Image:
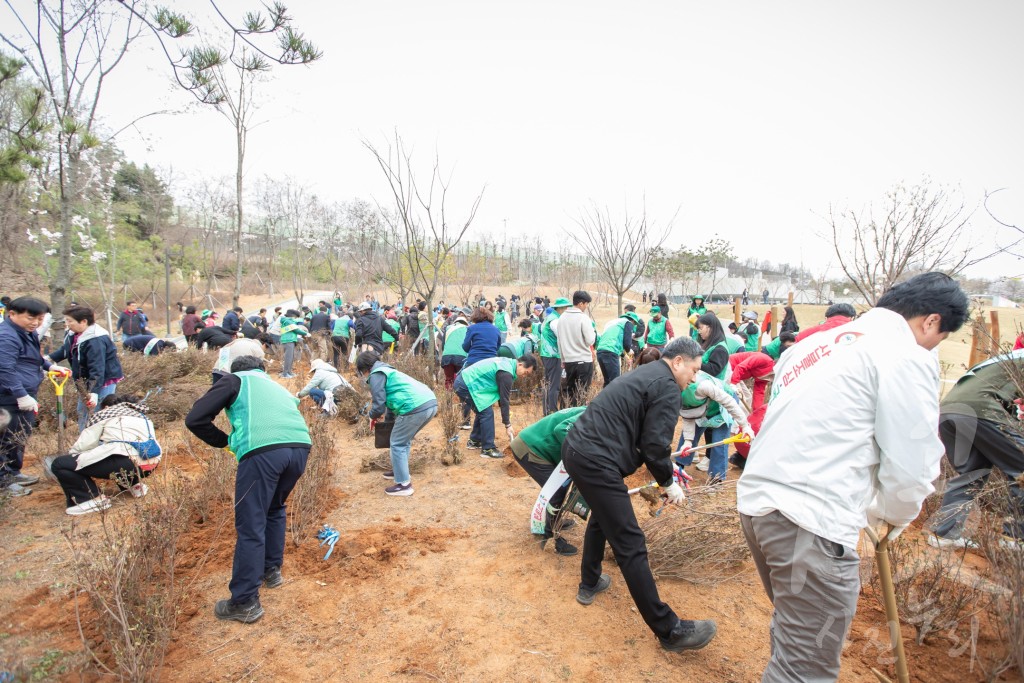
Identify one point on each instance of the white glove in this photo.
(748, 430)
(511, 433)
(92, 400)
(27, 404)
(674, 494)
(896, 531)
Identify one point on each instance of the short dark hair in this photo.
(580, 297)
(648, 355)
(128, 303)
(365, 361)
(237, 309)
(682, 346)
(243, 363)
(421, 305)
(525, 323)
(28, 304)
(630, 307)
(190, 309)
(926, 294)
(80, 313)
(480, 315)
(787, 337)
(291, 313)
(529, 361)
(840, 309)
(116, 399)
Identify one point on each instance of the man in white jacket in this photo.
(850, 438)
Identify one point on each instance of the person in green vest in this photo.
(538, 450)
(292, 330)
(777, 346)
(501, 321)
(750, 331)
(639, 330)
(537, 319)
(452, 353)
(409, 403)
(390, 330)
(715, 360)
(709, 406)
(550, 357)
(523, 345)
(659, 329)
(697, 308)
(270, 440)
(338, 303)
(341, 337)
(615, 342)
(481, 385)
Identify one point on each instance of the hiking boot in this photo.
(491, 453)
(15, 490)
(399, 490)
(273, 578)
(585, 596)
(470, 443)
(94, 505)
(689, 635)
(24, 479)
(138, 490)
(563, 547)
(390, 474)
(936, 541)
(247, 614)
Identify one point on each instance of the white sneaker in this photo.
(94, 505)
(704, 464)
(139, 490)
(937, 541)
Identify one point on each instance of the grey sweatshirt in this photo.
(576, 335)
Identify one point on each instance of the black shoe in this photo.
(737, 460)
(247, 614)
(564, 548)
(273, 578)
(470, 443)
(585, 596)
(689, 635)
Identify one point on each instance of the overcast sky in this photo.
(750, 118)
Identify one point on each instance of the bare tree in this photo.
(919, 228)
(419, 224)
(621, 250)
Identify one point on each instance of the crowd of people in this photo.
(850, 432)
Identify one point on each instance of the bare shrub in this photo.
(934, 591)
(170, 382)
(417, 367)
(309, 500)
(125, 567)
(215, 483)
(701, 543)
(449, 410)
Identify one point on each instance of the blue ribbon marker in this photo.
(330, 536)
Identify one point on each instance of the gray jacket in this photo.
(576, 335)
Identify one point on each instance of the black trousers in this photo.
(13, 439)
(79, 486)
(340, 350)
(576, 387)
(540, 472)
(611, 365)
(612, 519)
(552, 383)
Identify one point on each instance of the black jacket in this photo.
(320, 322)
(631, 423)
(215, 337)
(368, 330)
(93, 360)
(231, 322)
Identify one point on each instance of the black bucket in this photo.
(382, 434)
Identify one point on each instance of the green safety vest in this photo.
(774, 348)
(544, 438)
(453, 339)
(548, 340)
(263, 414)
(733, 345)
(521, 346)
(707, 356)
(482, 382)
(341, 328)
(751, 344)
(611, 338)
(404, 394)
(691, 400)
(500, 322)
(656, 335)
(387, 333)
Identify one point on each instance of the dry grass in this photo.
(701, 543)
(172, 381)
(449, 410)
(311, 497)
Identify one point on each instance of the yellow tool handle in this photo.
(58, 387)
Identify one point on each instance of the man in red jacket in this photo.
(760, 367)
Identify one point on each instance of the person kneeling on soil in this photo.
(538, 450)
(270, 440)
(119, 444)
(325, 381)
(410, 404)
(630, 423)
(480, 386)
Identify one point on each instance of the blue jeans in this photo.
(83, 414)
(318, 396)
(611, 365)
(262, 485)
(483, 423)
(405, 429)
(719, 455)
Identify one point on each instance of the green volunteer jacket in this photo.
(544, 438)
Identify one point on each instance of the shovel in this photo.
(892, 615)
(58, 380)
(735, 438)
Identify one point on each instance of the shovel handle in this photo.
(892, 614)
(58, 386)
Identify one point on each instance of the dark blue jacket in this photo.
(21, 363)
(131, 323)
(139, 343)
(482, 341)
(231, 323)
(94, 358)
